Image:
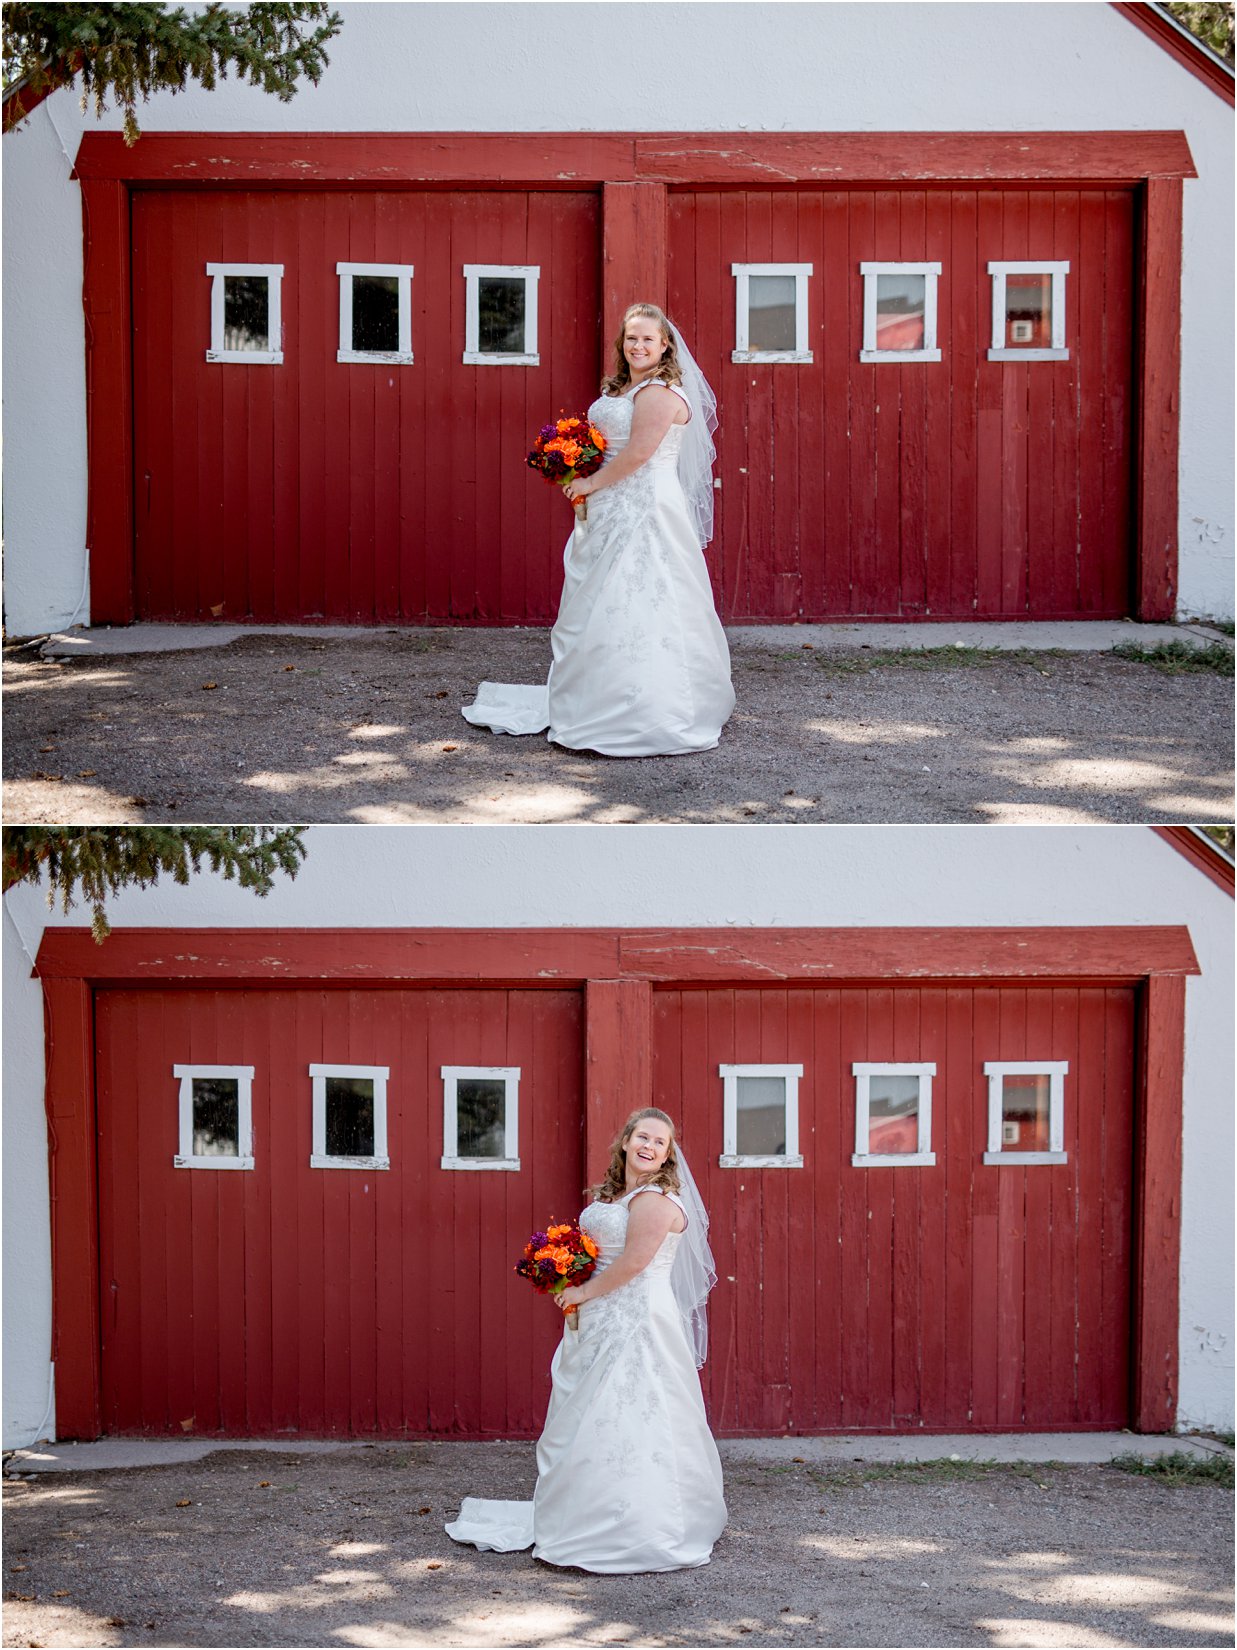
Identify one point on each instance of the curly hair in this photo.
(668, 371)
(614, 1183)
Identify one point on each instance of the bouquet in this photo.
(568, 448)
(557, 1259)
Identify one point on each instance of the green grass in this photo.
(1226, 625)
(862, 660)
(1179, 1468)
(1179, 658)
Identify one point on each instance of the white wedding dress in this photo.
(640, 662)
(628, 1475)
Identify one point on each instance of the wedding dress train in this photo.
(640, 664)
(628, 1475)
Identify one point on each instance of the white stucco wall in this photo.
(787, 876)
(515, 67)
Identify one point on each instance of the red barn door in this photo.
(954, 1296)
(291, 1299)
(964, 488)
(318, 489)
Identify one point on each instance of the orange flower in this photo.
(571, 451)
(556, 1232)
(589, 1244)
(596, 437)
(566, 425)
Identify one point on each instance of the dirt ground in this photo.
(367, 728)
(347, 1548)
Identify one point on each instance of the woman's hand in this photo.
(574, 1296)
(580, 487)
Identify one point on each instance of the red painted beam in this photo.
(1202, 854)
(1179, 44)
(618, 1060)
(1159, 409)
(576, 159)
(633, 255)
(557, 956)
(1157, 1177)
(109, 400)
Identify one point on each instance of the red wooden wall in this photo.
(956, 1296)
(291, 1299)
(962, 488)
(317, 489)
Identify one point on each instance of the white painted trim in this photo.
(274, 315)
(319, 1157)
(185, 1158)
(509, 1076)
(473, 354)
(871, 273)
(742, 353)
(996, 1071)
(401, 357)
(863, 1071)
(731, 1157)
(999, 350)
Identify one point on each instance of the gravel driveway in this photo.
(367, 728)
(347, 1548)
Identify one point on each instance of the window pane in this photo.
(349, 1116)
(771, 312)
(500, 300)
(245, 312)
(216, 1117)
(1028, 311)
(900, 301)
(1025, 1111)
(893, 1115)
(480, 1110)
(761, 1116)
(375, 312)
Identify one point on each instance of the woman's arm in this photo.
(651, 416)
(649, 1220)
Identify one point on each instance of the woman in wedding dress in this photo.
(640, 665)
(628, 1475)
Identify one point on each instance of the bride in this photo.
(628, 1475)
(640, 665)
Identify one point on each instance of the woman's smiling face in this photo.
(647, 1148)
(643, 344)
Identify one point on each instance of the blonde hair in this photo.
(668, 371)
(614, 1183)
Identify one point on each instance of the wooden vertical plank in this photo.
(203, 1291)
(1088, 330)
(321, 385)
(317, 1362)
(1157, 1172)
(890, 451)
(853, 1327)
(634, 254)
(106, 301)
(761, 450)
(1115, 1223)
(119, 1254)
(1116, 581)
(810, 1233)
(836, 283)
(911, 383)
(1011, 1237)
(283, 1156)
(775, 1409)
(449, 246)
(749, 1236)
(362, 412)
(708, 274)
(1040, 1236)
(734, 394)
(1159, 397)
(1041, 597)
(880, 1190)
(1015, 389)
(1063, 1258)
(931, 1227)
(366, 1016)
(411, 473)
(340, 389)
(1067, 568)
(1088, 1091)
(965, 1099)
(790, 390)
(938, 376)
(827, 1168)
(985, 1226)
(968, 292)
(708, 1041)
(990, 383)
(174, 521)
(172, 1048)
(224, 1302)
(906, 1316)
(864, 554)
(618, 1059)
(418, 1177)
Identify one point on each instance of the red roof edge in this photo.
(1202, 853)
(20, 99)
(1178, 42)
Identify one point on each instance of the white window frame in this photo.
(731, 1157)
(508, 1075)
(184, 1158)
(863, 1071)
(401, 357)
(999, 350)
(996, 1071)
(742, 353)
(274, 315)
(474, 356)
(319, 1157)
(871, 274)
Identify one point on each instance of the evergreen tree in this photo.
(103, 859)
(138, 47)
(1210, 20)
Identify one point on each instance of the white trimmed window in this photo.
(500, 315)
(770, 314)
(760, 1117)
(216, 1117)
(899, 312)
(246, 324)
(1028, 311)
(893, 1115)
(375, 313)
(350, 1117)
(480, 1117)
(1026, 1111)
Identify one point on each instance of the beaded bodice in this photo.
(612, 416)
(606, 1224)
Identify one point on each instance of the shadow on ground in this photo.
(347, 1549)
(367, 728)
